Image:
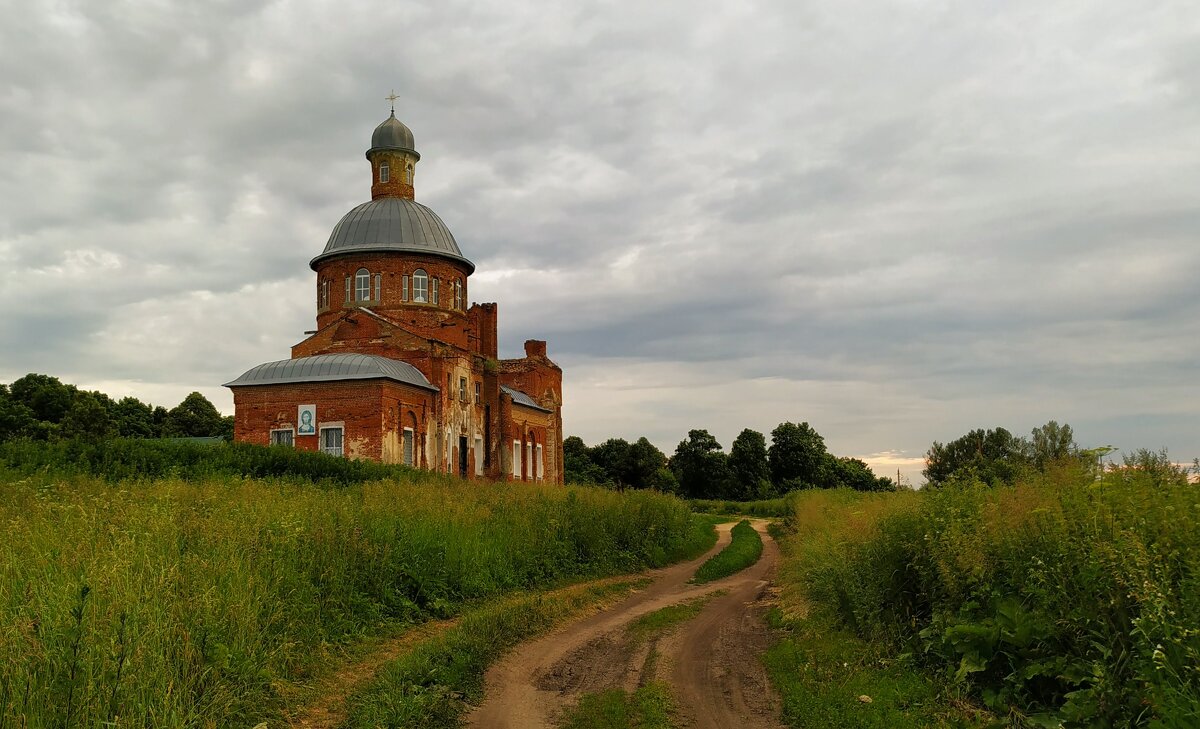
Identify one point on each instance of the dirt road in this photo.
(711, 662)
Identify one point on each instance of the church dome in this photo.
(392, 134)
(392, 225)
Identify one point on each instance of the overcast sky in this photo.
(896, 221)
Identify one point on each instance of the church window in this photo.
(462, 389)
(420, 286)
(435, 292)
(476, 392)
(458, 294)
(282, 437)
(324, 294)
(385, 172)
(541, 463)
(404, 287)
(379, 287)
(408, 446)
(348, 299)
(408, 173)
(331, 441)
(516, 459)
(362, 285)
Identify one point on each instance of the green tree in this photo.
(45, 396)
(700, 466)
(135, 419)
(16, 419)
(194, 417)
(992, 456)
(612, 456)
(748, 467)
(644, 464)
(664, 480)
(1051, 442)
(797, 456)
(577, 463)
(852, 473)
(88, 418)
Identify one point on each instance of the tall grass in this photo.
(178, 602)
(1058, 599)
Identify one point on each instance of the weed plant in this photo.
(1061, 600)
(765, 508)
(185, 601)
(743, 550)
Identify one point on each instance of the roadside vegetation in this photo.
(197, 600)
(1068, 596)
(778, 508)
(743, 550)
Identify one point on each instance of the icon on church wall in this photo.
(308, 420)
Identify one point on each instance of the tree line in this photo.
(42, 407)
(995, 456)
(700, 469)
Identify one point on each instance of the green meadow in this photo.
(196, 595)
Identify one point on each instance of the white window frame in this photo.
(478, 455)
(341, 450)
(325, 294)
(408, 455)
(540, 463)
(291, 442)
(529, 459)
(458, 294)
(378, 288)
(478, 388)
(404, 287)
(420, 288)
(516, 464)
(434, 291)
(385, 172)
(362, 285)
(409, 173)
(348, 292)
(462, 389)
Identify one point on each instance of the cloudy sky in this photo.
(894, 220)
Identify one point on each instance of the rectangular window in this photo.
(385, 172)
(348, 299)
(478, 456)
(434, 283)
(529, 460)
(462, 389)
(408, 446)
(362, 288)
(283, 437)
(541, 463)
(516, 459)
(324, 294)
(379, 287)
(331, 441)
(476, 392)
(457, 295)
(404, 287)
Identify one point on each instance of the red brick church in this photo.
(400, 368)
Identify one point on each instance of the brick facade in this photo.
(468, 425)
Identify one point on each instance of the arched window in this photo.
(385, 172)
(362, 285)
(420, 286)
(458, 294)
(408, 172)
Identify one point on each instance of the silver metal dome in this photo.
(332, 368)
(392, 134)
(392, 225)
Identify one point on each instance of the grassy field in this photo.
(765, 508)
(189, 601)
(1061, 600)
